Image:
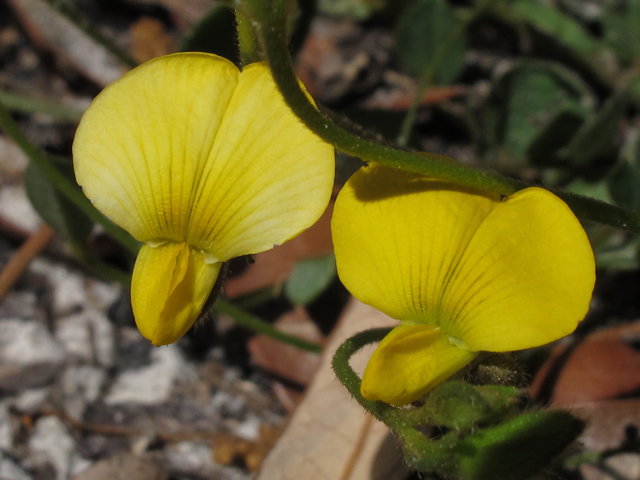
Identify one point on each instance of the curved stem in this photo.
(260, 326)
(271, 34)
(349, 378)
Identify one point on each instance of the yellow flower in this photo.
(463, 270)
(202, 163)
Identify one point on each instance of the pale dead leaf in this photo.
(329, 436)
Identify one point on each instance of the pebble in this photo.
(68, 290)
(9, 470)
(6, 428)
(190, 458)
(19, 305)
(32, 399)
(13, 161)
(16, 209)
(29, 356)
(153, 384)
(102, 295)
(52, 444)
(87, 337)
(81, 386)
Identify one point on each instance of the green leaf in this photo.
(518, 448)
(214, 33)
(310, 278)
(623, 257)
(624, 180)
(535, 109)
(595, 139)
(597, 190)
(461, 406)
(357, 9)
(422, 27)
(55, 209)
(621, 25)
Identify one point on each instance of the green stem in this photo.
(271, 34)
(247, 43)
(257, 325)
(273, 39)
(67, 188)
(85, 25)
(428, 74)
(26, 104)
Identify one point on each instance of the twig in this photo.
(22, 258)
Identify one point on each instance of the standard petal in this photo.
(525, 279)
(409, 362)
(145, 140)
(170, 284)
(398, 235)
(268, 177)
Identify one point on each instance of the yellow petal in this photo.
(494, 275)
(396, 235)
(525, 279)
(268, 177)
(170, 284)
(144, 141)
(409, 362)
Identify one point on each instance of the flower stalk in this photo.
(271, 31)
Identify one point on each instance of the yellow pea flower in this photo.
(201, 163)
(463, 270)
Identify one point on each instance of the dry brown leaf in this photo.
(329, 436)
(150, 40)
(52, 31)
(276, 265)
(604, 365)
(285, 360)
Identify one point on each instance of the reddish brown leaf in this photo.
(605, 365)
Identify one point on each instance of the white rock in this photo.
(87, 336)
(103, 338)
(69, 294)
(153, 384)
(81, 385)
(16, 208)
(52, 444)
(29, 356)
(74, 334)
(189, 458)
(6, 428)
(249, 429)
(31, 399)
(19, 305)
(28, 341)
(10, 471)
(13, 161)
(79, 464)
(102, 295)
